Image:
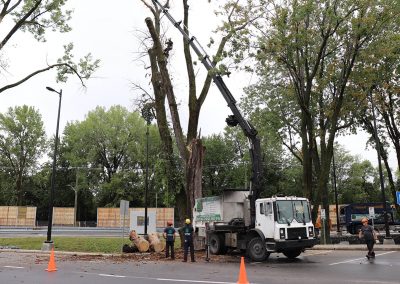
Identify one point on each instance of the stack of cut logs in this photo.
(139, 243)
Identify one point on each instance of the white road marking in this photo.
(16, 267)
(316, 253)
(193, 281)
(158, 279)
(351, 260)
(112, 275)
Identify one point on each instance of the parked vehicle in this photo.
(351, 215)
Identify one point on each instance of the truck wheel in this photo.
(217, 244)
(256, 250)
(292, 253)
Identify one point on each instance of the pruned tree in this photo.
(239, 18)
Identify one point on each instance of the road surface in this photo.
(314, 266)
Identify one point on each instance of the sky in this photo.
(113, 34)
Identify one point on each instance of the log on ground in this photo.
(155, 243)
(140, 243)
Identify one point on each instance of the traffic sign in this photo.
(371, 212)
(124, 208)
(323, 214)
(398, 197)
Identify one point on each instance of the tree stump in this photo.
(155, 243)
(140, 243)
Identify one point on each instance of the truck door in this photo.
(265, 218)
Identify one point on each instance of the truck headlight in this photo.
(282, 233)
(311, 231)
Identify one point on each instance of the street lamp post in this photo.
(378, 150)
(53, 175)
(336, 195)
(148, 116)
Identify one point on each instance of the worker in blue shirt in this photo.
(169, 236)
(188, 241)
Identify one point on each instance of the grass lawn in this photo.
(76, 244)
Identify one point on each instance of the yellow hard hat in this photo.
(187, 221)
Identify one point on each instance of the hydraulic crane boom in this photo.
(232, 120)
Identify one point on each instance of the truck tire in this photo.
(292, 253)
(256, 250)
(217, 244)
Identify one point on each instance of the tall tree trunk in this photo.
(195, 171)
(19, 189)
(170, 166)
(370, 129)
(194, 102)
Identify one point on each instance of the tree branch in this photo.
(41, 71)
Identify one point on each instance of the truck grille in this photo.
(296, 233)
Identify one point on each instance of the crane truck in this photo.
(241, 219)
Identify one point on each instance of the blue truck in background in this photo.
(351, 215)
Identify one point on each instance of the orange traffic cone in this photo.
(242, 273)
(52, 263)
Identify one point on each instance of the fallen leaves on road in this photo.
(138, 257)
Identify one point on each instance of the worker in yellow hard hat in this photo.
(188, 241)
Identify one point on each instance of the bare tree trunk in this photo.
(192, 165)
(195, 171)
(19, 189)
(170, 167)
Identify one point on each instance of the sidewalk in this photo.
(377, 247)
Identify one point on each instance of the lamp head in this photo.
(51, 89)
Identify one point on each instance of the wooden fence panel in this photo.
(23, 216)
(110, 217)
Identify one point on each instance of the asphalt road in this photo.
(314, 266)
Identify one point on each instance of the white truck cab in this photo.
(285, 222)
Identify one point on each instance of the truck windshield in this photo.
(289, 210)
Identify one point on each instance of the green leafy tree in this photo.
(22, 142)
(108, 148)
(224, 166)
(309, 51)
(38, 17)
(378, 80)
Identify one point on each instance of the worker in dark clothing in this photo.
(188, 241)
(169, 236)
